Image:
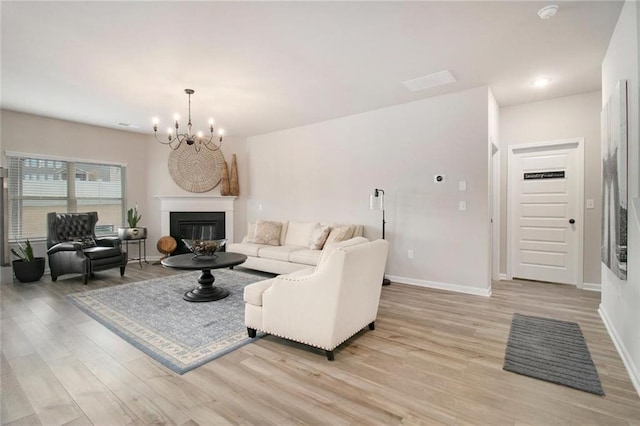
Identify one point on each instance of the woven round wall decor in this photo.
(195, 171)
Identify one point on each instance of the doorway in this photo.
(545, 211)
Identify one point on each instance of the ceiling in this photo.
(258, 67)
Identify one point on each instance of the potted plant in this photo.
(133, 232)
(27, 268)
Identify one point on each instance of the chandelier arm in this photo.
(210, 143)
(171, 142)
(177, 146)
(161, 141)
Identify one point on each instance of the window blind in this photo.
(37, 186)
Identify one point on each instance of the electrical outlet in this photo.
(259, 207)
(590, 204)
(462, 185)
(410, 254)
(462, 205)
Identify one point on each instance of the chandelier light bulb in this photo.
(176, 117)
(155, 120)
(200, 134)
(169, 130)
(211, 121)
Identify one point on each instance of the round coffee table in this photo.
(206, 292)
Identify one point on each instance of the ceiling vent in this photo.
(428, 81)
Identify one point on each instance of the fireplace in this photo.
(222, 206)
(195, 226)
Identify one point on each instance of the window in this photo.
(39, 185)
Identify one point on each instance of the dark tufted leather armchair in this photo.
(73, 247)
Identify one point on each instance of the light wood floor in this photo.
(434, 358)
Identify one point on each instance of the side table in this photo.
(135, 236)
(142, 249)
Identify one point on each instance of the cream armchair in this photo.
(321, 307)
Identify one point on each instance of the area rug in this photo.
(152, 316)
(551, 350)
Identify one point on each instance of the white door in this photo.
(546, 216)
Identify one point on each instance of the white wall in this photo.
(327, 170)
(560, 118)
(620, 306)
(45, 136)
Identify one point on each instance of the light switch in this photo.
(462, 185)
(590, 204)
(462, 205)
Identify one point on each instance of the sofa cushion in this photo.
(94, 253)
(267, 232)
(249, 249)
(283, 235)
(278, 253)
(340, 233)
(329, 248)
(253, 292)
(299, 233)
(319, 236)
(306, 257)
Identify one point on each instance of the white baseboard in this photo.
(441, 286)
(632, 369)
(592, 286)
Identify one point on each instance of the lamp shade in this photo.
(376, 202)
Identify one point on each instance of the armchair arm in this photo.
(109, 242)
(65, 247)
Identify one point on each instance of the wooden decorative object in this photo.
(235, 185)
(224, 182)
(196, 171)
(166, 245)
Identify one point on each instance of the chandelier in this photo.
(197, 140)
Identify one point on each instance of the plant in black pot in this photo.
(27, 268)
(133, 232)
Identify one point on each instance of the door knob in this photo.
(572, 221)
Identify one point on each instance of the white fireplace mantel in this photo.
(196, 203)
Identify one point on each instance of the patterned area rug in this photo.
(551, 350)
(152, 316)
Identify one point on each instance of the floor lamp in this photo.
(376, 202)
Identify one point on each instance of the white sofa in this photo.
(325, 306)
(292, 251)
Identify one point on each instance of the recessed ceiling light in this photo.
(541, 82)
(548, 11)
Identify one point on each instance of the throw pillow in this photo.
(251, 232)
(299, 233)
(340, 233)
(85, 241)
(319, 236)
(267, 232)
